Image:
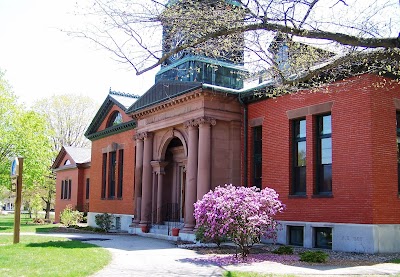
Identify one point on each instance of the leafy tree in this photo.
(8, 108)
(69, 116)
(241, 214)
(36, 205)
(362, 32)
(23, 133)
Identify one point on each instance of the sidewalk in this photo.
(147, 257)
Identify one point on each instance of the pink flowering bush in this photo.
(241, 214)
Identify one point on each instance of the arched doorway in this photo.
(174, 180)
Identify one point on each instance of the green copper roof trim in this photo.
(113, 130)
(201, 59)
(164, 99)
(99, 117)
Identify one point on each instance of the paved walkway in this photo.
(138, 256)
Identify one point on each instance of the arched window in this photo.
(115, 119)
(67, 162)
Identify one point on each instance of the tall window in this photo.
(111, 174)
(66, 189)
(69, 189)
(62, 189)
(257, 157)
(398, 151)
(299, 157)
(87, 187)
(104, 176)
(120, 172)
(324, 155)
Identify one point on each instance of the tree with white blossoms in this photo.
(241, 214)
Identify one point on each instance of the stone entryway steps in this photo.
(159, 231)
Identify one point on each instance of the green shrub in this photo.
(284, 250)
(104, 221)
(202, 238)
(314, 257)
(69, 216)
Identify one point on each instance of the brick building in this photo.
(72, 168)
(331, 153)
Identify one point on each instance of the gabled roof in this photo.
(120, 99)
(162, 91)
(79, 155)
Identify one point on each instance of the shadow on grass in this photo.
(46, 229)
(62, 244)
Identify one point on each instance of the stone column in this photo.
(158, 167)
(204, 161)
(147, 178)
(138, 176)
(191, 175)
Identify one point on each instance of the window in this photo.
(66, 189)
(118, 223)
(324, 155)
(69, 189)
(87, 187)
(104, 176)
(111, 174)
(67, 162)
(296, 235)
(257, 157)
(299, 157)
(62, 189)
(115, 119)
(398, 151)
(120, 172)
(323, 237)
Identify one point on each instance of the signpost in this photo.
(16, 176)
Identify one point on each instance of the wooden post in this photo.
(18, 200)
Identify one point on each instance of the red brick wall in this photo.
(364, 166)
(70, 174)
(119, 206)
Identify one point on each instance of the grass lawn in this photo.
(250, 274)
(49, 256)
(395, 261)
(7, 224)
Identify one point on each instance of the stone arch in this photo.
(166, 139)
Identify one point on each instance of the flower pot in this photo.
(145, 229)
(175, 232)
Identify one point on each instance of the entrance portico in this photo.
(174, 163)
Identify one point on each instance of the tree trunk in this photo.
(47, 216)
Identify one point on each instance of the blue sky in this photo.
(40, 60)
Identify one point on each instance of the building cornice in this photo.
(113, 130)
(165, 104)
